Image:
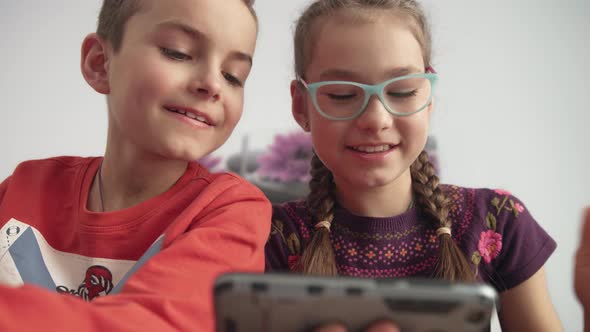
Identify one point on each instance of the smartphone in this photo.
(297, 303)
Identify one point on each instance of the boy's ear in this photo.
(298, 108)
(94, 63)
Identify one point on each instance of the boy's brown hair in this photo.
(114, 14)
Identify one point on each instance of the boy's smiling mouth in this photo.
(191, 114)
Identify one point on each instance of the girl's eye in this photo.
(233, 80)
(174, 55)
(402, 94)
(335, 96)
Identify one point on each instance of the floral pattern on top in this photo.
(484, 224)
(490, 242)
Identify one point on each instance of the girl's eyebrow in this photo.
(402, 71)
(340, 73)
(195, 34)
(350, 75)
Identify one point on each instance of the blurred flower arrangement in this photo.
(431, 148)
(282, 169)
(210, 162)
(288, 158)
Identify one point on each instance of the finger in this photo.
(331, 328)
(383, 326)
(585, 236)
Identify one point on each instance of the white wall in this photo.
(512, 104)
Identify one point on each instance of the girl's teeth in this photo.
(373, 149)
(191, 115)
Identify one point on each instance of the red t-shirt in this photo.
(156, 261)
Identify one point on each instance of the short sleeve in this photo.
(520, 245)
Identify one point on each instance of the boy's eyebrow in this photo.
(347, 74)
(196, 34)
(242, 57)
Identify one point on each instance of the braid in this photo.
(318, 256)
(452, 264)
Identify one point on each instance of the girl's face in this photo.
(375, 149)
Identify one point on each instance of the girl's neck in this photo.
(389, 200)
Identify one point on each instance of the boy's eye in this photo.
(232, 79)
(174, 55)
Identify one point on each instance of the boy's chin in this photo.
(188, 156)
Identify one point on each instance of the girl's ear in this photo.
(94, 63)
(298, 108)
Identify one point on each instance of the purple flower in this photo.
(288, 158)
(209, 161)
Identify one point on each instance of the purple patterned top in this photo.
(500, 238)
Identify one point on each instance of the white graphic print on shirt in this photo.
(26, 257)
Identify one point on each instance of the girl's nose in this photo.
(375, 116)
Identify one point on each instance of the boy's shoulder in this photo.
(221, 182)
(52, 165)
(59, 161)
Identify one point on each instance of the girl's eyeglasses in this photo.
(401, 96)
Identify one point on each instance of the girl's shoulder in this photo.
(290, 229)
(489, 206)
(474, 202)
(292, 217)
(499, 234)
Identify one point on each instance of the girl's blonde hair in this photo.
(318, 257)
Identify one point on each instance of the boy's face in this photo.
(175, 87)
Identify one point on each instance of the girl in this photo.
(364, 90)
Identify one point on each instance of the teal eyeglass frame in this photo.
(370, 90)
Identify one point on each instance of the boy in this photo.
(143, 225)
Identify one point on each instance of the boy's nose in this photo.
(374, 117)
(207, 85)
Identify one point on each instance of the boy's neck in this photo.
(126, 181)
(389, 200)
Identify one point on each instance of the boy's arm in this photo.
(170, 292)
(3, 187)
